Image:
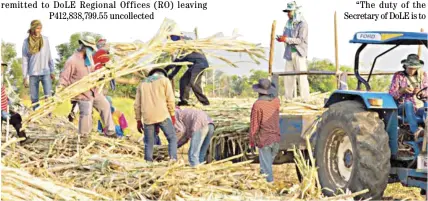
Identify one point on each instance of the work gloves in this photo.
(173, 120)
(252, 145)
(157, 130)
(140, 126)
(281, 38)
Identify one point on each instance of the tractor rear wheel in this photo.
(352, 151)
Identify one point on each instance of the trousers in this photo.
(101, 104)
(297, 63)
(34, 87)
(192, 79)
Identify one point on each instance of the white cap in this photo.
(176, 31)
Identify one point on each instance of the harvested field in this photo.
(106, 169)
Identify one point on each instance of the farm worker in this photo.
(154, 106)
(121, 125)
(14, 118)
(264, 125)
(77, 67)
(405, 85)
(37, 63)
(295, 38)
(197, 126)
(191, 79)
(100, 57)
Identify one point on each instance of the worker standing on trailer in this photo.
(155, 107)
(264, 128)
(197, 126)
(295, 37)
(192, 78)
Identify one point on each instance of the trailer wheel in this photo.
(352, 151)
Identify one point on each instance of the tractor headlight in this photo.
(377, 102)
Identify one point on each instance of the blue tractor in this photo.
(358, 138)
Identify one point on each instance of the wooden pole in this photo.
(272, 47)
(7, 123)
(420, 46)
(336, 50)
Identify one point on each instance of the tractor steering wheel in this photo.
(420, 96)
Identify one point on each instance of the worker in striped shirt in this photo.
(196, 125)
(264, 129)
(14, 118)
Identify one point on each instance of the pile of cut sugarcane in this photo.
(103, 168)
(59, 165)
(137, 57)
(232, 121)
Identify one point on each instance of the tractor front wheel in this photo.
(352, 151)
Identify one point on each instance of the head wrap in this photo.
(35, 43)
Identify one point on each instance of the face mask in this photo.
(88, 59)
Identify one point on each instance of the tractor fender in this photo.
(363, 97)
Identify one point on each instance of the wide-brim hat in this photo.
(89, 41)
(154, 70)
(290, 7)
(264, 86)
(412, 61)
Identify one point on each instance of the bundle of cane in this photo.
(136, 57)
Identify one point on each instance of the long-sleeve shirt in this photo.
(40, 63)
(75, 70)
(189, 121)
(264, 128)
(296, 38)
(399, 80)
(155, 100)
(198, 59)
(4, 98)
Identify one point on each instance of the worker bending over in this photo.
(154, 106)
(191, 79)
(197, 126)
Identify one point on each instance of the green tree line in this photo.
(216, 82)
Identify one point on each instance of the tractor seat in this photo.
(419, 119)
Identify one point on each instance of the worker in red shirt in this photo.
(264, 130)
(14, 118)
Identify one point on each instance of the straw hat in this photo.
(89, 41)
